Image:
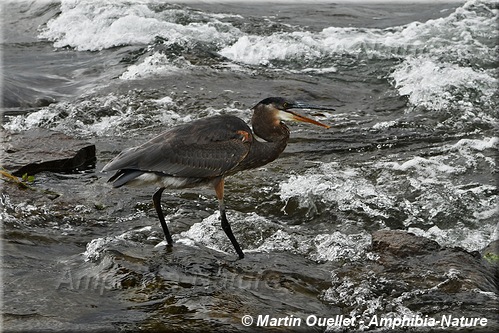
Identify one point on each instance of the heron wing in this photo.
(208, 147)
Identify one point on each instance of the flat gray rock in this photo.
(39, 149)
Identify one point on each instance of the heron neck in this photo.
(265, 152)
(271, 130)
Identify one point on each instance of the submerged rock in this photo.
(40, 150)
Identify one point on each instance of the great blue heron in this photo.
(206, 151)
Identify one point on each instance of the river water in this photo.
(412, 146)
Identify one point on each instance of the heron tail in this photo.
(122, 177)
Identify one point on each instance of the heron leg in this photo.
(219, 189)
(156, 199)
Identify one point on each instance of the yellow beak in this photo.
(290, 115)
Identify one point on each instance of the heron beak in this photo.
(298, 117)
(290, 115)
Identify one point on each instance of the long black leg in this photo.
(219, 189)
(228, 231)
(156, 199)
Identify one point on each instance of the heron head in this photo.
(280, 109)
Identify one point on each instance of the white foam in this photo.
(32, 120)
(420, 191)
(266, 236)
(113, 115)
(476, 144)
(156, 64)
(164, 100)
(384, 125)
(469, 239)
(97, 25)
(426, 167)
(345, 187)
(283, 241)
(432, 84)
(207, 232)
(447, 34)
(96, 247)
(341, 247)
(107, 115)
(260, 50)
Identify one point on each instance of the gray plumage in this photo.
(201, 150)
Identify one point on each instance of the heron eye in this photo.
(285, 105)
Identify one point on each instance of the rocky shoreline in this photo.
(403, 263)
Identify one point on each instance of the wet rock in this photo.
(40, 150)
(413, 274)
(453, 269)
(401, 243)
(490, 255)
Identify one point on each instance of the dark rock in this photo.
(415, 273)
(490, 255)
(417, 256)
(401, 243)
(44, 101)
(40, 150)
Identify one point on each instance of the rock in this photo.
(38, 150)
(451, 269)
(409, 273)
(401, 243)
(490, 255)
